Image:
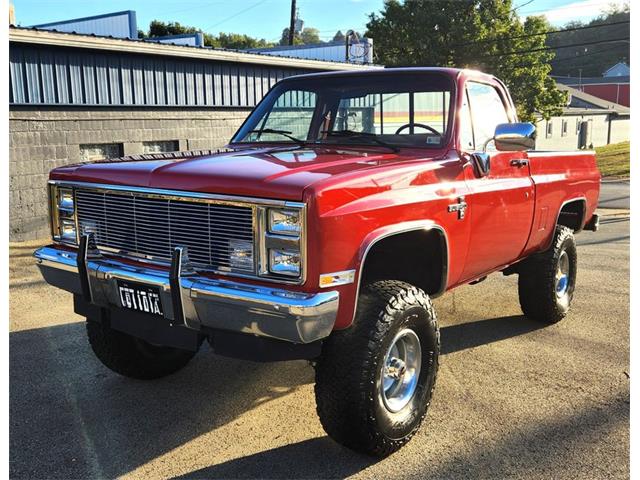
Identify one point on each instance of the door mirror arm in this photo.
(480, 161)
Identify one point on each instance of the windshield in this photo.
(401, 110)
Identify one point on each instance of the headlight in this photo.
(285, 222)
(281, 253)
(283, 262)
(68, 230)
(65, 199)
(63, 223)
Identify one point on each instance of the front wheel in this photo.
(133, 357)
(374, 380)
(547, 280)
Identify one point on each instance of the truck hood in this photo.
(279, 173)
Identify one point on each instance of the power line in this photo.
(522, 5)
(543, 49)
(567, 59)
(569, 6)
(570, 59)
(235, 14)
(547, 32)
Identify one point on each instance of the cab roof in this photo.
(452, 73)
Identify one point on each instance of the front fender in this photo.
(349, 293)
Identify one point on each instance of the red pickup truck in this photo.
(341, 207)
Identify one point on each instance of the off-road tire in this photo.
(133, 357)
(349, 371)
(537, 281)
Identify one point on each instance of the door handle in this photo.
(519, 162)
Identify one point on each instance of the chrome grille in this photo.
(153, 226)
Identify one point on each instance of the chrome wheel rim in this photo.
(562, 275)
(401, 370)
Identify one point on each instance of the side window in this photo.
(487, 111)
(466, 127)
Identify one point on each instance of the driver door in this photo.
(500, 204)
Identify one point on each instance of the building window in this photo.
(160, 146)
(565, 127)
(578, 122)
(549, 128)
(99, 151)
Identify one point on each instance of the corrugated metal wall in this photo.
(116, 24)
(66, 76)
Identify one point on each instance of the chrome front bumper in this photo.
(196, 301)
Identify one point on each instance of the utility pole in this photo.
(292, 23)
(580, 79)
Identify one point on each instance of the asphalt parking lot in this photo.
(514, 399)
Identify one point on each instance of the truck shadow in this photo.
(454, 338)
(72, 418)
(320, 458)
(316, 458)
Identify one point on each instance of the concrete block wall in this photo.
(43, 139)
(599, 132)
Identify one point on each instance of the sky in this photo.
(266, 18)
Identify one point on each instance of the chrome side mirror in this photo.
(515, 137)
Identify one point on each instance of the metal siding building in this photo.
(358, 52)
(117, 24)
(45, 75)
(81, 97)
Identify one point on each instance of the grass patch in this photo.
(614, 160)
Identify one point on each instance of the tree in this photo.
(310, 35)
(481, 34)
(339, 36)
(592, 60)
(306, 37)
(240, 41)
(223, 40)
(284, 38)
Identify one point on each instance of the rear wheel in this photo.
(133, 357)
(547, 280)
(374, 380)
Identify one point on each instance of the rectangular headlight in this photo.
(284, 262)
(65, 199)
(68, 230)
(63, 214)
(285, 222)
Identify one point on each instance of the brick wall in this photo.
(42, 139)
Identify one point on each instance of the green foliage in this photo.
(592, 60)
(310, 35)
(475, 34)
(306, 37)
(222, 40)
(339, 37)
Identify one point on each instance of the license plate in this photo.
(140, 297)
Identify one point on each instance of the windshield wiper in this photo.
(284, 133)
(354, 134)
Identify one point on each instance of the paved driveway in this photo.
(514, 399)
(615, 194)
